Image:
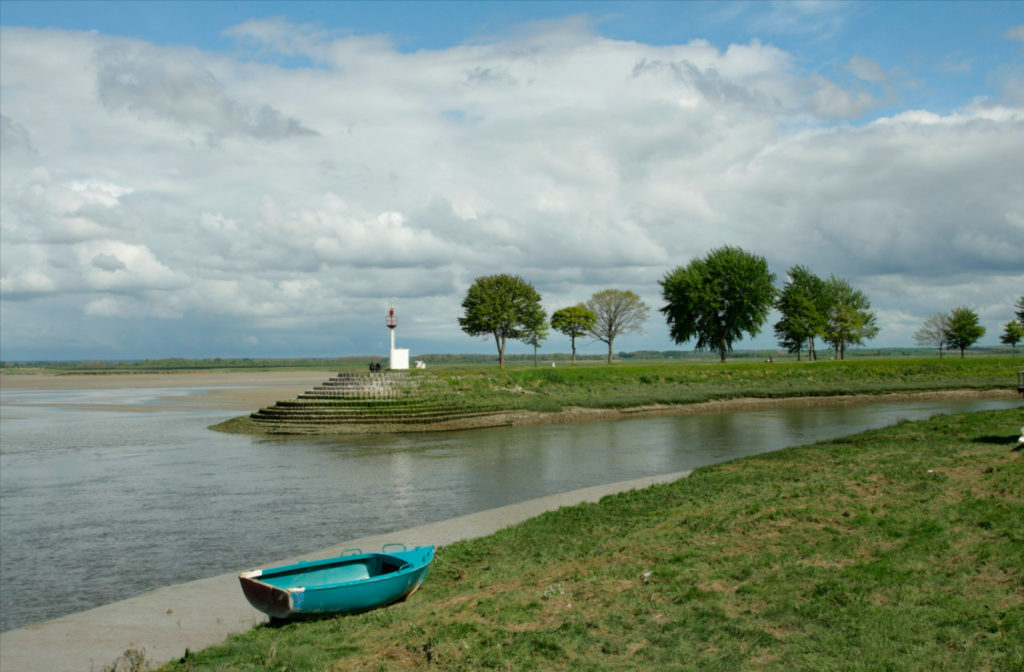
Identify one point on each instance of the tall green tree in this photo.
(964, 329)
(573, 321)
(718, 298)
(800, 304)
(1013, 334)
(850, 320)
(934, 332)
(616, 312)
(503, 306)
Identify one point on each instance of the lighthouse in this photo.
(399, 359)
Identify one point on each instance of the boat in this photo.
(350, 583)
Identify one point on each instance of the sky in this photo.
(261, 179)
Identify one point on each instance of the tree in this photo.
(934, 331)
(535, 335)
(1020, 311)
(1013, 334)
(799, 302)
(616, 312)
(503, 306)
(850, 320)
(574, 321)
(964, 330)
(717, 298)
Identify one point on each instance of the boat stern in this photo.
(273, 601)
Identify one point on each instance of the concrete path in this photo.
(166, 621)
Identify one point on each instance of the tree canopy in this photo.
(964, 330)
(718, 298)
(616, 312)
(803, 314)
(573, 321)
(850, 320)
(503, 306)
(1013, 334)
(934, 332)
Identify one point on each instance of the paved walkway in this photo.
(166, 621)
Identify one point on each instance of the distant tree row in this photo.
(713, 300)
(507, 307)
(831, 309)
(959, 329)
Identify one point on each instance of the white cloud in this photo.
(832, 101)
(190, 187)
(14, 137)
(866, 69)
(147, 83)
(1015, 33)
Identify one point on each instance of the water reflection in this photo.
(87, 498)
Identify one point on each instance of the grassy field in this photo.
(895, 549)
(631, 385)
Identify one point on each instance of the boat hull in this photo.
(345, 584)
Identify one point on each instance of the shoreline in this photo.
(254, 389)
(580, 414)
(166, 622)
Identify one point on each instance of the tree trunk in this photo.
(721, 348)
(500, 340)
(572, 339)
(610, 350)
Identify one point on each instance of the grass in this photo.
(894, 549)
(463, 392)
(625, 385)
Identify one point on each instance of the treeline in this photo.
(713, 301)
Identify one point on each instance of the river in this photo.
(97, 506)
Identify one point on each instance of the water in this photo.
(97, 506)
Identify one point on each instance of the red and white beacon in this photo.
(399, 359)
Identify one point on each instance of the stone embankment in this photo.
(371, 398)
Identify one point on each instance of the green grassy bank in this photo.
(627, 385)
(622, 386)
(894, 549)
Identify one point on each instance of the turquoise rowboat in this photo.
(350, 583)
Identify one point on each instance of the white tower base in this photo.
(399, 359)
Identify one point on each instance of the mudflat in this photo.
(249, 390)
(228, 390)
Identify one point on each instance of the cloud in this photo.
(1015, 33)
(866, 69)
(177, 89)
(820, 18)
(189, 187)
(831, 101)
(108, 262)
(14, 137)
